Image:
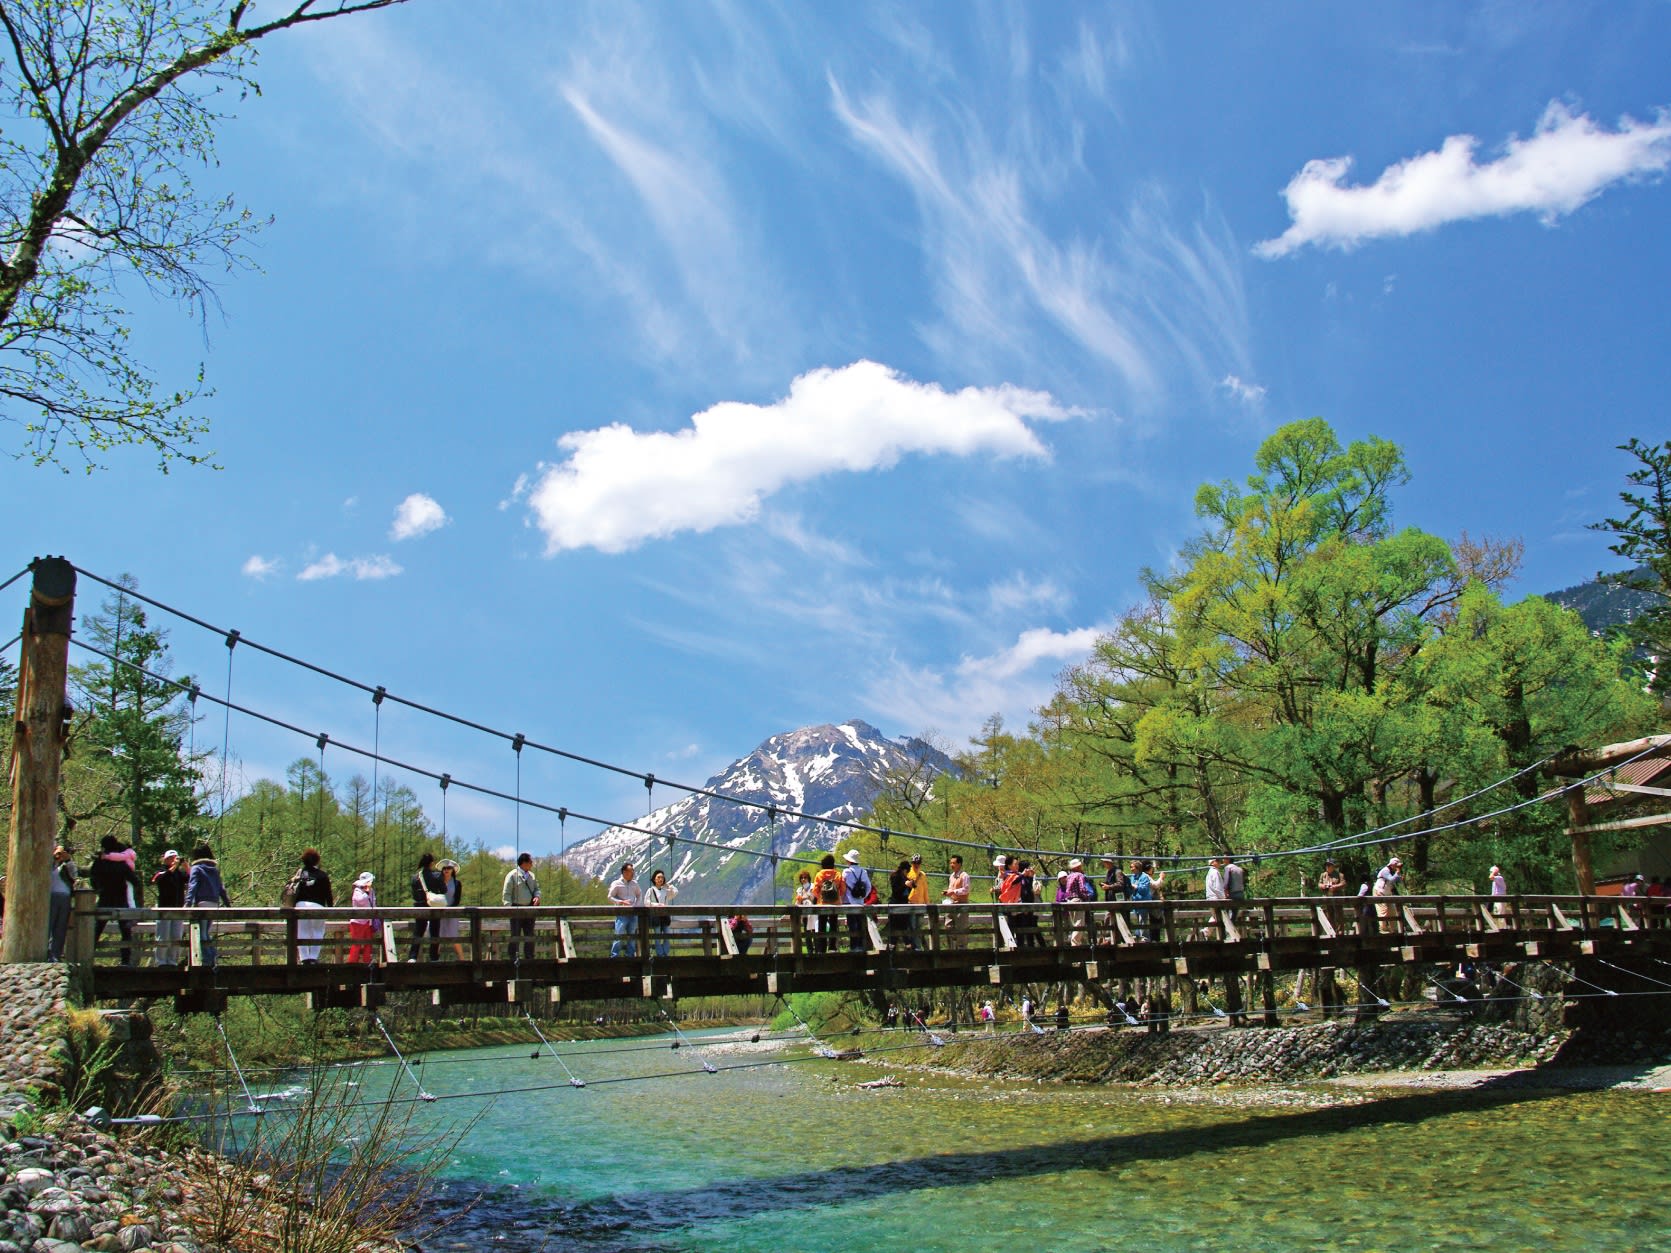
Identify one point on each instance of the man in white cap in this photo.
(855, 888)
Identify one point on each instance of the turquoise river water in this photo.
(797, 1157)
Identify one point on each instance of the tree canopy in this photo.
(1306, 671)
(113, 110)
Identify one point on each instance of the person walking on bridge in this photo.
(60, 903)
(857, 888)
(626, 894)
(204, 890)
(113, 877)
(427, 892)
(1387, 883)
(957, 893)
(521, 891)
(168, 886)
(311, 887)
(363, 930)
(826, 893)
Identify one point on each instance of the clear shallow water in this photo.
(783, 1158)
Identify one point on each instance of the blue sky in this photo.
(650, 379)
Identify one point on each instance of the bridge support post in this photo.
(37, 753)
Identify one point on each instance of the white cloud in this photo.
(1250, 394)
(792, 530)
(1020, 592)
(504, 852)
(259, 567)
(331, 566)
(619, 487)
(417, 515)
(1568, 161)
(1012, 682)
(1138, 295)
(685, 753)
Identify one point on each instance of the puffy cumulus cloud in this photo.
(1568, 160)
(259, 567)
(619, 487)
(417, 515)
(331, 566)
(1012, 682)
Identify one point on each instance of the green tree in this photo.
(1643, 537)
(113, 111)
(133, 776)
(1294, 611)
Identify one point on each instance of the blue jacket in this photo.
(204, 887)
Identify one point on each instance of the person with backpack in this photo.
(858, 890)
(826, 894)
(1079, 892)
(309, 888)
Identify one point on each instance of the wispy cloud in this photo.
(1148, 293)
(330, 566)
(259, 567)
(1250, 394)
(619, 487)
(1012, 682)
(417, 515)
(1567, 161)
(1020, 592)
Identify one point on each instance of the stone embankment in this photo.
(64, 1185)
(1286, 1055)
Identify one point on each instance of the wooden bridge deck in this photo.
(700, 954)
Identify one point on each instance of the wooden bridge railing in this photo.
(266, 936)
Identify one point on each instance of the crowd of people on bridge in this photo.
(830, 893)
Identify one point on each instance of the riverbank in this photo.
(1337, 1051)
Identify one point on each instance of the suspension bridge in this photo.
(588, 953)
(576, 954)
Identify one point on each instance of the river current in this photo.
(788, 1157)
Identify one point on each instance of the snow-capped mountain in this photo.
(831, 771)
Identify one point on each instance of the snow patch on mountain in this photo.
(829, 772)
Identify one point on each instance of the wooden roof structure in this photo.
(1616, 774)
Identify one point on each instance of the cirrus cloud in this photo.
(1568, 161)
(620, 487)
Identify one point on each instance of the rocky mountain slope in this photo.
(832, 771)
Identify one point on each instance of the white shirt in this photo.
(626, 892)
(1215, 885)
(659, 896)
(957, 887)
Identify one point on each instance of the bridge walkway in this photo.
(576, 953)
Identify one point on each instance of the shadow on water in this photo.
(639, 1222)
